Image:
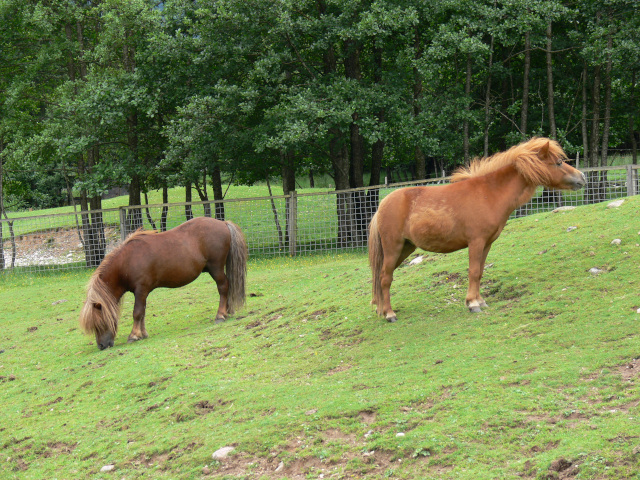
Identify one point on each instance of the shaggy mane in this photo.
(523, 156)
(98, 292)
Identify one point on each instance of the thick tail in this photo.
(236, 268)
(375, 262)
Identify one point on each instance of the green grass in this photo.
(307, 375)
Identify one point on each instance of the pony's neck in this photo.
(514, 186)
(110, 279)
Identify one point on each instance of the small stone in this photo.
(638, 311)
(311, 412)
(206, 470)
(108, 468)
(222, 453)
(400, 434)
(571, 229)
(416, 260)
(279, 467)
(616, 241)
(564, 209)
(370, 432)
(616, 203)
(595, 271)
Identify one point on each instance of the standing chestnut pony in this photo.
(469, 212)
(148, 260)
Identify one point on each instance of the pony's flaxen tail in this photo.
(375, 262)
(236, 268)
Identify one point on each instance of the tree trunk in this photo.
(632, 112)
(339, 156)
(188, 198)
(1, 209)
(549, 195)
(288, 186)
(584, 122)
(203, 194)
(525, 84)
(418, 154)
(607, 104)
(487, 101)
(595, 125)
(377, 150)
(216, 185)
(165, 208)
(467, 109)
(552, 116)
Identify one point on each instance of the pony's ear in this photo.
(544, 150)
(97, 306)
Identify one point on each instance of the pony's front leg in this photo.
(139, 331)
(478, 252)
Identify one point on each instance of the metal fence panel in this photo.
(295, 224)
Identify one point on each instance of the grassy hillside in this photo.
(306, 380)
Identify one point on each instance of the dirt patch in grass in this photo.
(367, 416)
(630, 371)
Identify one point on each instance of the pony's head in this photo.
(540, 161)
(100, 312)
(546, 165)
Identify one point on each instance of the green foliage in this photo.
(115, 92)
(307, 375)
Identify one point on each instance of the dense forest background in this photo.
(150, 95)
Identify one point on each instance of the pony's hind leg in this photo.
(139, 331)
(477, 256)
(392, 260)
(222, 282)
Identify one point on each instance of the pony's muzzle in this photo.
(104, 341)
(578, 181)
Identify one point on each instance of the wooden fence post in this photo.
(293, 222)
(631, 183)
(122, 211)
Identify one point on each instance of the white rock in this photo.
(108, 468)
(638, 311)
(279, 467)
(400, 434)
(616, 241)
(564, 209)
(616, 203)
(571, 228)
(416, 260)
(595, 271)
(222, 453)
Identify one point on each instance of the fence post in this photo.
(293, 222)
(631, 184)
(122, 212)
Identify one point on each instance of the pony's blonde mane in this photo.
(92, 321)
(523, 156)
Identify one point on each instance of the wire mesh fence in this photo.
(294, 224)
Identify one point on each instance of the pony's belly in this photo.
(436, 231)
(441, 247)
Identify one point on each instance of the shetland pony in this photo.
(470, 212)
(148, 260)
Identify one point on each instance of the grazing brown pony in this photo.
(469, 212)
(148, 260)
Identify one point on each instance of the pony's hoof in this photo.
(475, 309)
(132, 339)
(393, 319)
(220, 319)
